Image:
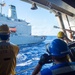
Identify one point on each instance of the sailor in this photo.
(70, 43)
(8, 52)
(62, 36)
(58, 51)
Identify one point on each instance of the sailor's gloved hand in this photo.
(45, 58)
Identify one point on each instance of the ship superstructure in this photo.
(19, 29)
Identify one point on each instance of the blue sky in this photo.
(41, 20)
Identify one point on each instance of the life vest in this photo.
(60, 69)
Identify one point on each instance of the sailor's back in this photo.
(7, 59)
(8, 52)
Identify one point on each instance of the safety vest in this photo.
(7, 58)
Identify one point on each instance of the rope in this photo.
(24, 70)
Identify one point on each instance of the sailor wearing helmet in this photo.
(58, 53)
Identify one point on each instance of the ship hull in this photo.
(26, 39)
(20, 30)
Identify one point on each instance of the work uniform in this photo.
(8, 53)
(60, 69)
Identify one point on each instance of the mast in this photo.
(1, 5)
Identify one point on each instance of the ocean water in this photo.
(29, 55)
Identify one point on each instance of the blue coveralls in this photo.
(60, 69)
